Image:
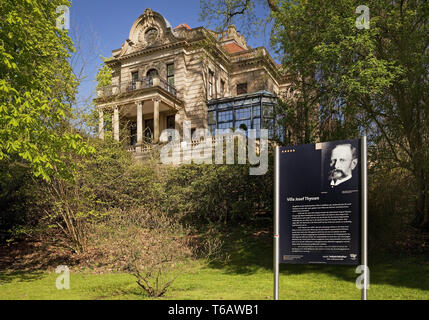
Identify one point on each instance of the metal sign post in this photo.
(364, 210)
(316, 185)
(276, 252)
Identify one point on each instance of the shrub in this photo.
(208, 194)
(61, 209)
(145, 243)
(390, 204)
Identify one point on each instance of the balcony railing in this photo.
(130, 86)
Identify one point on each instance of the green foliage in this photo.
(104, 75)
(61, 209)
(109, 178)
(15, 196)
(37, 86)
(373, 80)
(202, 194)
(346, 81)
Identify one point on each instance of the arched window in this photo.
(151, 74)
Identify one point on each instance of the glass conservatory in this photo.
(248, 111)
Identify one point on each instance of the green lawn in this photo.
(248, 275)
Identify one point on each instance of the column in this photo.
(177, 118)
(115, 123)
(139, 125)
(155, 120)
(101, 124)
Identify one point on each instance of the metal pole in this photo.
(364, 204)
(276, 223)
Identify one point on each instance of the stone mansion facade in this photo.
(162, 76)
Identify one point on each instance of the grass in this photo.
(248, 275)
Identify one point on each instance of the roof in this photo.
(233, 47)
(261, 93)
(183, 25)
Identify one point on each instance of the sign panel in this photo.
(320, 203)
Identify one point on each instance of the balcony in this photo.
(131, 86)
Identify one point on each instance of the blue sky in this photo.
(100, 26)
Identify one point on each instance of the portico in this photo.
(147, 110)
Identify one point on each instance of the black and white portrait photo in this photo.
(340, 166)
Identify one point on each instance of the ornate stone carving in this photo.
(150, 35)
(148, 16)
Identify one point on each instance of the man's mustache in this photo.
(333, 174)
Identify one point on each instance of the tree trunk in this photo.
(421, 216)
(425, 223)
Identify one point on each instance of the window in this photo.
(257, 111)
(133, 133)
(241, 88)
(148, 130)
(222, 88)
(225, 119)
(269, 124)
(212, 117)
(257, 126)
(243, 125)
(150, 75)
(224, 116)
(134, 79)
(211, 82)
(226, 125)
(268, 110)
(243, 113)
(171, 122)
(170, 77)
(192, 133)
(213, 129)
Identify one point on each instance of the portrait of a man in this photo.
(342, 162)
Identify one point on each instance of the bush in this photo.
(206, 194)
(390, 206)
(64, 212)
(61, 209)
(15, 182)
(145, 243)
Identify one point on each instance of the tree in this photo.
(37, 87)
(358, 80)
(104, 75)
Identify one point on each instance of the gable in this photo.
(149, 30)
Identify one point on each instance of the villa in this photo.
(162, 76)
